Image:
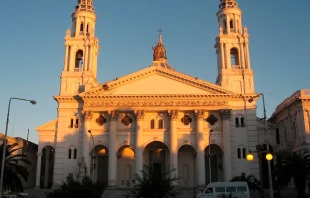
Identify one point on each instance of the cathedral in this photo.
(155, 116)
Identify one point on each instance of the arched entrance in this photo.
(186, 166)
(213, 157)
(99, 164)
(156, 154)
(125, 166)
(47, 167)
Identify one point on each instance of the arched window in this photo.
(69, 153)
(234, 57)
(239, 153)
(74, 153)
(78, 60)
(71, 123)
(152, 124)
(242, 122)
(76, 123)
(243, 153)
(81, 27)
(160, 124)
(237, 122)
(87, 28)
(231, 24)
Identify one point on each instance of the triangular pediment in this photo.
(49, 126)
(154, 81)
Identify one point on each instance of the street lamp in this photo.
(210, 156)
(5, 136)
(93, 155)
(269, 155)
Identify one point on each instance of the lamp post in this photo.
(93, 155)
(210, 156)
(269, 156)
(5, 136)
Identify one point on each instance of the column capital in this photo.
(199, 114)
(173, 114)
(139, 114)
(225, 114)
(87, 115)
(113, 115)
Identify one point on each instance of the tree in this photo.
(14, 170)
(75, 189)
(291, 165)
(154, 182)
(253, 183)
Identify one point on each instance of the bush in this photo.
(75, 189)
(154, 182)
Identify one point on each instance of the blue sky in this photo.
(32, 47)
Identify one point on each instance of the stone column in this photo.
(66, 68)
(173, 115)
(225, 114)
(224, 66)
(38, 174)
(86, 137)
(139, 141)
(200, 158)
(112, 164)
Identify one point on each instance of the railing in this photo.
(77, 69)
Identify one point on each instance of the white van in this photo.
(225, 190)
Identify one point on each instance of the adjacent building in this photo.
(29, 149)
(156, 115)
(292, 117)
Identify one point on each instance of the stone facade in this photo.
(155, 116)
(293, 120)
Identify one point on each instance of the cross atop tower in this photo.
(160, 30)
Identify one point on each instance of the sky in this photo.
(32, 48)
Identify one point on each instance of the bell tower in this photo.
(232, 49)
(80, 62)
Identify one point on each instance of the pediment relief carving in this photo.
(152, 103)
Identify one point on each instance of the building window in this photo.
(76, 123)
(234, 55)
(160, 124)
(69, 153)
(231, 24)
(74, 153)
(242, 121)
(71, 123)
(82, 27)
(152, 124)
(237, 122)
(277, 136)
(243, 153)
(78, 60)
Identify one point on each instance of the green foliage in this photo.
(253, 183)
(291, 165)
(154, 182)
(14, 171)
(75, 189)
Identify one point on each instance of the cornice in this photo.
(69, 99)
